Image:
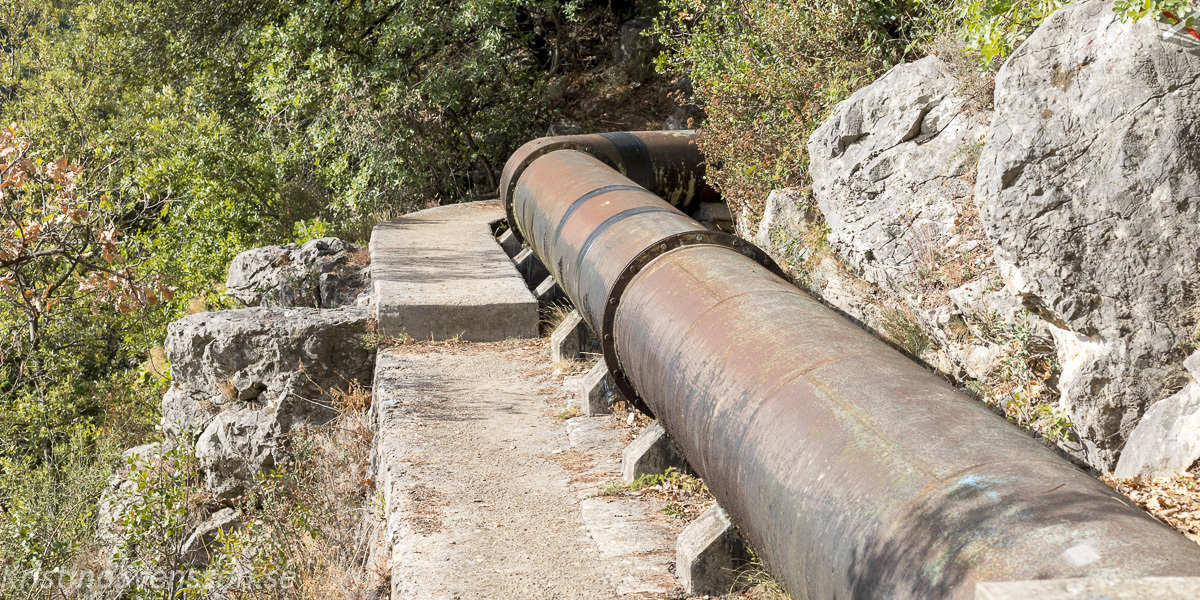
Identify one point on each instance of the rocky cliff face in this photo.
(241, 380)
(1061, 233)
(1088, 185)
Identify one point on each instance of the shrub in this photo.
(1131, 10)
(994, 28)
(768, 72)
(49, 513)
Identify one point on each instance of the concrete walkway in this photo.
(439, 274)
(489, 492)
(486, 488)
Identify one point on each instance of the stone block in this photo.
(509, 243)
(598, 391)
(530, 267)
(708, 553)
(572, 339)
(652, 453)
(714, 215)
(1145, 588)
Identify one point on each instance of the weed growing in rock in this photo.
(570, 413)
(901, 327)
(1192, 319)
(1020, 384)
(758, 583)
(800, 249)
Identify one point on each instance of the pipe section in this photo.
(853, 471)
(667, 163)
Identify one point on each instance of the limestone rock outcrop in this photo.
(1089, 187)
(322, 273)
(288, 358)
(889, 235)
(887, 172)
(241, 379)
(1166, 440)
(1069, 218)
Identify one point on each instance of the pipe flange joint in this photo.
(704, 237)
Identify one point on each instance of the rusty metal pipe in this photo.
(853, 471)
(667, 163)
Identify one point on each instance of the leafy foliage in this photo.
(1132, 10)
(767, 72)
(156, 139)
(994, 28)
(159, 138)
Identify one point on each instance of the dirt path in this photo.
(485, 491)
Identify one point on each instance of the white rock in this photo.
(1089, 188)
(322, 273)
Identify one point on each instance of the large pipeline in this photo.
(853, 471)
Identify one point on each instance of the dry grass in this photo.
(552, 315)
(525, 347)
(975, 86)
(569, 366)
(756, 583)
(359, 258)
(901, 326)
(157, 363)
(580, 465)
(939, 267)
(686, 495)
(228, 390)
(196, 305)
(317, 517)
(1172, 500)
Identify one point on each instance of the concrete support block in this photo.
(652, 453)
(572, 339)
(708, 554)
(548, 292)
(1145, 588)
(714, 215)
(597, 391)
(439, 274)
(509, 242)
(531, 268)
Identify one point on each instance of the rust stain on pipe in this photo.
(853, 471)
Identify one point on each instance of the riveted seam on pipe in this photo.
(575, 204)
